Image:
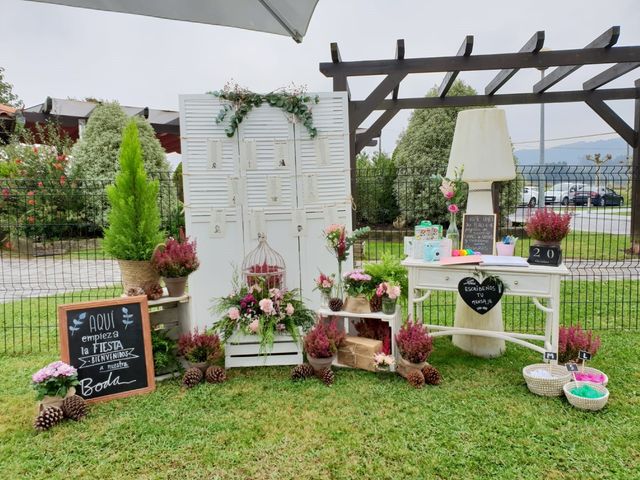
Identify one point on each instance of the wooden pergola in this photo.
(602, 50)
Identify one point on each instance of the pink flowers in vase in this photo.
(451, 189)
(324, 283)
(339, 241)
(390, 290)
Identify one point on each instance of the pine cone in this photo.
(153, 291)
(215, 374)
(75, 407)
(375, 303)
(327, 376)
(415, 378)
(431, 375)
(335, 304)
(192, 377)
(302, 372)
(49, 417)
(307, 370)
(135, 291)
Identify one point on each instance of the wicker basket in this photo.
(547, 387)
(137, 273)
(586, 403)
(595, 370)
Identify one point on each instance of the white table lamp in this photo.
(482, 149)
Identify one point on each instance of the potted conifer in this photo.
(134, 219)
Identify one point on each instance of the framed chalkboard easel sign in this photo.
(109, 342)
(479, 233)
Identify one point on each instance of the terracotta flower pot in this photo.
(137, 273)
(54, 401)
(359, 304)
(404, 367)
(320, 363)
(175, 286)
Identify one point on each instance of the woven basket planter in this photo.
(404, 367)
(546, 387)
(596, 371)
(586, 403)
(137, 273)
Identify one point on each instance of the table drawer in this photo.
(517, 284)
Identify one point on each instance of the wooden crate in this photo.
(244, 351)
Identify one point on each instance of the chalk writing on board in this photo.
(478, 233)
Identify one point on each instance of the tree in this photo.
(7, 97)
(134, 219)
(422, 155)
(375, 199)
(95, 155)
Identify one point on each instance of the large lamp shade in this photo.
(481, 144)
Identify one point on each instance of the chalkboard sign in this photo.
(479, 233)
(584, 355)
(572, 367)
(109, 342)
(545, 255)
(481, 297)
(550, 356)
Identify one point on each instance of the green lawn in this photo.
(582, 245)
(481, 423)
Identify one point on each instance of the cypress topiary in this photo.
(134, 219)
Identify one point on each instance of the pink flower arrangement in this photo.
(289, 310)
(234, 313)
(199, 347)
(451, 189)
(266, 305)
(548, 226)
(389, 289)
(573, 339)
(176, 258)
(54, 380)
(357, 282)
(414, 342)
(323, 340)
(453, 208)
(324, 283)
(382, 361)
(339, 241)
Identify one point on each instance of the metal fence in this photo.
(52, 254)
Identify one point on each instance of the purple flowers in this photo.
(54, 380)
(53, 370)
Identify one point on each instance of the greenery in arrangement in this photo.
(414, 342)
(54, 380)
(388, 269)
(572, 339)
(199, 347)
(374, 197)
(165, 358)
(422, 156)
(294, 101)
(323, 340)
(258, 310)
(134, 220)
(176, 257)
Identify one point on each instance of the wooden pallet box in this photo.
(244, 351)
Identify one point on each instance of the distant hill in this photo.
(575, 153)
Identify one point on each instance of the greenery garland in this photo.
(294, 102)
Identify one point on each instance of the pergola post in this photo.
(635, 181)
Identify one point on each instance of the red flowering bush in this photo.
(199, 347)
(414, 342)
(323, 340)
(548, 226)
(573, 339)
(176, 258)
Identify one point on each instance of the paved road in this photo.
(594, 219)
(42, 276)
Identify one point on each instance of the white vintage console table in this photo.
(536, 282)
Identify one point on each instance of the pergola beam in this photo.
(340, 82)
(533, 45)
(363, 139)
(362, 109)
(399, 56)
(508, 99)
(464, 51)
(496, 61)
(609, 75)
(605, 41)
(605, 112)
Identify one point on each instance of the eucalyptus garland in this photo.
(243, 101)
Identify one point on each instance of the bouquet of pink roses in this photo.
(324, 283)
(390, 290)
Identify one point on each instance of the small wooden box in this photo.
(244, 351)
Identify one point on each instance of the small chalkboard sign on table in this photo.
(109, 343)
(545, 255)
(479, 233)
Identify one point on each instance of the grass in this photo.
(480, 423)
(578, 245)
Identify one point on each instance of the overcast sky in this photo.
(58, 51)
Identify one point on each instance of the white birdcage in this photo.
(264, 266)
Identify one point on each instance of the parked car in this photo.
(529, 196)
(600, 196)
(562, 193)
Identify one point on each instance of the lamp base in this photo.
(479, 346)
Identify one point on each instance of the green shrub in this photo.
(375, 198)
(134, 219)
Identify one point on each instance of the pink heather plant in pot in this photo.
(321, 344)
(174, 261)
(546, 226)
(573, 339)
(415, 344)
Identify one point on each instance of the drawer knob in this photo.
(446, 279)
(515, 282)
